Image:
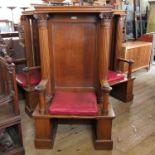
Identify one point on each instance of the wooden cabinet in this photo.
(139, 51)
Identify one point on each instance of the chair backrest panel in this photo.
(74, 54)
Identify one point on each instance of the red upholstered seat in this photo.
(146, 37)
(34, 75)
(114, 76)
(74, 103)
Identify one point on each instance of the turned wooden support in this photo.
(41, 92)
(130, 63)
(44, 50)
(104, 49)
(11, 68)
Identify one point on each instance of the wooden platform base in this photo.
(46, 125)
(31, 101)
(123, 91)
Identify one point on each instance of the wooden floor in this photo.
(133, 127)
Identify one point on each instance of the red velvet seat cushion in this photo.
(34, 75)
(114, 76)
(74, 103)
(146, 37)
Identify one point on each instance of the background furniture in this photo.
(151, 17)
(25, 61)
(29, 76)
(10, 121)
(139, 51)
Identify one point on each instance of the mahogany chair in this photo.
(74, 68)
(10, 121)
(74, 75)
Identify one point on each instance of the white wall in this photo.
(5, 13)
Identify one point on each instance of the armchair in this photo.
(27, 80)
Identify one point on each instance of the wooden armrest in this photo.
(27, 69)
(21, 60)
(129, 61)
(105, 85)
(42, 85)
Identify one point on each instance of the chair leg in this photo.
(44, 133)
(31, 101)
(103, 131)
(123, 91)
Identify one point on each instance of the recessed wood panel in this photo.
(74, 54)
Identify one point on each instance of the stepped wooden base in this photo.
(46, 125)
(31, 101)
(17, 151)
(103, 144)
(123, 91)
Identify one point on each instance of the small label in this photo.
(74, 17)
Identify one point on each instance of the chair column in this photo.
(104, 49)
(44, 49)
(103, 122)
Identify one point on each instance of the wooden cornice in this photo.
(73, 9)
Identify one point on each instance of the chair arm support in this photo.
(27, 69)
(105, 86)
(42, 85)
(21, 60)
(130, 63)
(40, 88)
